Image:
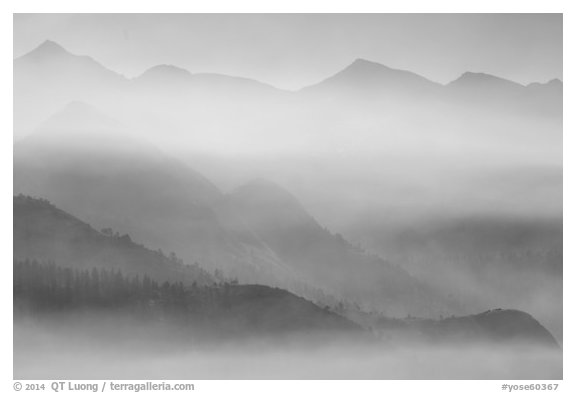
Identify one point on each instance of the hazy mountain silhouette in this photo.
(328, 259)
(86, 164)
(553, 86)
(43, 232)
(506, 96)
(53, 61)
(47, 235)
(169, 77)
(82, 133)
(494, 326)
(169, 102)
(259, 234)
(114, 180)
(279, 217)
(483, 260)
(482, 82)
(371, 80)
(49, 77)
(374, 82)
(164, 73)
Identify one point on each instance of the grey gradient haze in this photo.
(203, 226)
(294, 50)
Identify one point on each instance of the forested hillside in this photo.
(40, 289)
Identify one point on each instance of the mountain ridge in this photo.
(328, 259)
(41, 231)
(49, 47)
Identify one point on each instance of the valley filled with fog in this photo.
(129, 352)
(374, 225)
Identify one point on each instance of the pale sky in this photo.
(294, 50)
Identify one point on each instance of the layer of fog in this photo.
(136, 352)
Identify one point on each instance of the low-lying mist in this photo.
(85, 349)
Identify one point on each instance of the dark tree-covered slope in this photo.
(42, 289)
(44, 232)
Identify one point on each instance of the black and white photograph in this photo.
(287, 196)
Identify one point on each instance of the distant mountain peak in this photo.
(477, 75)
(366, 67)
(168, 68)
(165, 71)
(553, 83)
(473, 78)
(47, 49)
(66, 63)
(50, 46)
(360, 62)
(369, 76)
(553, 86)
